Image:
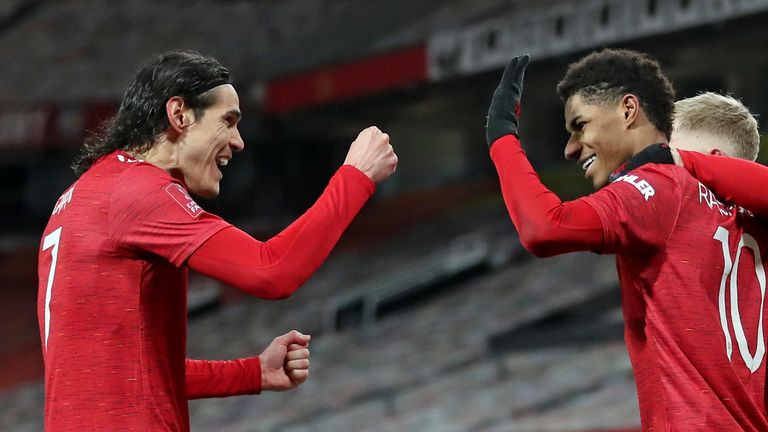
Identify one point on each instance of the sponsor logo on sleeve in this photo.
(643, 186)
(180, 195)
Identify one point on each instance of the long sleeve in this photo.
(276, 268)
(547, 226)
(727, 178)
(221, 378)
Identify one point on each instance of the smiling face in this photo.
(599, 140)
(209, 141)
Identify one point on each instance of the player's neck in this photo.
(162, 154)
(646, 135)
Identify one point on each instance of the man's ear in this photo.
(630, 105)
(717, 152)
(179, 114)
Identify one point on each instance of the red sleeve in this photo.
(151, 212)
(277, 267)
(221, 378)
(546, 225)
(725, 176)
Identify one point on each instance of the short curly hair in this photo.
(606, 76)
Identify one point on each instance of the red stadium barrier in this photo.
(346, 81)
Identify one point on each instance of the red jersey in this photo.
(112, 298)
(693, 289)
(692, 280)
(112, 295)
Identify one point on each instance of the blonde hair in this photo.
(722, 116)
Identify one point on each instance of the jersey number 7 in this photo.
(50, 241)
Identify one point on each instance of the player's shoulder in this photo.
(144, 185)
(122, 167)
(651, 180)
(143, 177)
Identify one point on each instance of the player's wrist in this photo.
(499, 128)
(504, 144)
(261, 377)
(358, 176)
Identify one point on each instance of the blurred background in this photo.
(429, 315)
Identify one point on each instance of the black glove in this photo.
(656, 153)
(505, 104)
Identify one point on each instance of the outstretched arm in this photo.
(282, 366)
(277, 267)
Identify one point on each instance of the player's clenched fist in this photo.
(297, 363)
(285, 362)
(372, 154)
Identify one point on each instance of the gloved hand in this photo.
(504, 110)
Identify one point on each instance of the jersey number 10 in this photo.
(731, 268)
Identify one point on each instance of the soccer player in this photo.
(690, 268)
(114, 256)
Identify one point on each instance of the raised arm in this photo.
(277, 267)
(546, 225)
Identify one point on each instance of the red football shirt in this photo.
(112, 294)
(112, 298)
(692, 290)
(693, 295)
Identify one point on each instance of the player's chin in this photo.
(208, 191)
(599, 180)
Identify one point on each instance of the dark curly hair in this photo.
(606, 76)
(141, 116)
